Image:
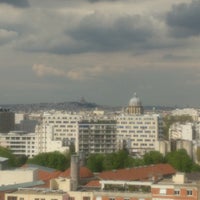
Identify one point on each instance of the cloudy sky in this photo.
(103, 50)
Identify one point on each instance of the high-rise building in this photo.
(97, 136)
(137, 131)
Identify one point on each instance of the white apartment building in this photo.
(31, 144)
(20, 143)
(138, 133)
(45, 140)
(65, 125)
(179, 131)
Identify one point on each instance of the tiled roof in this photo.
(94, 183)
(43, 175)
(138, 173)
(84, 173)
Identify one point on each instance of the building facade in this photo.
(97, 136)
(65, 125)
(7, 120)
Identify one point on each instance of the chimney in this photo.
(82, 159)
(74, 172)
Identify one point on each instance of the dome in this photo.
(135, 101)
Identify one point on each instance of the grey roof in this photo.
(21, 185)
(34, 166)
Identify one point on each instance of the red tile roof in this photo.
(94, 183)
(138, 173)
(84, 173)
(43, 175)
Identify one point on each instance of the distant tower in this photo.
(135, 106)
(74, 172)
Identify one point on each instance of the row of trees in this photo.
(54, 159)
(179, 159)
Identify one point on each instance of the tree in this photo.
(180, 160)
(54, 160)
(7, 153)
(95, 162)
(153, 157)
(20, 160)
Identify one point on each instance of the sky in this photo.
(102, 50)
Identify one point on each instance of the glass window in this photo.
(176, 192)
(189, 192)
(162, 191)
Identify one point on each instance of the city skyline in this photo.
(57, 51)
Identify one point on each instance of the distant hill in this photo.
(70, 106)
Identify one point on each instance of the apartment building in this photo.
(20, 143)
(7, 120)
(138, 133)
(178, 131)
(177, 188)
(65, 125)
(37, 194)
(97, 136)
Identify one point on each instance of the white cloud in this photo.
(73, 74)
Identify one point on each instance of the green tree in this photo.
(180, 160)
(95, 162)
(153, 157)
(20, 160)
(54, 160)
(7, 153)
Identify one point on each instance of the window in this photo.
(176, 192)
(189, 192)
(163, 191)
(86, 198)
(12, 198)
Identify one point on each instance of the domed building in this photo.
(135, 106)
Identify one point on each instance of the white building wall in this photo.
(20, 143)
(139, 131)
(65, 125)
(9, 177)
(181, 131)
(19, 117)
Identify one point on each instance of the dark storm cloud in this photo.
(102, 33)
(184, 19)
(16, 3)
